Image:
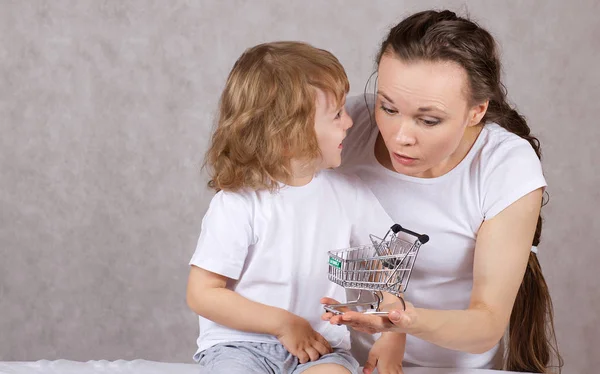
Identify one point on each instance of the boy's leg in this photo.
(327, 369)
(239, 358)
(338, 362)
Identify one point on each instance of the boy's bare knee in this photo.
(327, 369)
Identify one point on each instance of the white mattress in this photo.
(152, 367)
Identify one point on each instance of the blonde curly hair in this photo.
(267, 114)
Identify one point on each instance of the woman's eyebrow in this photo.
(431, 109)
(386, 97)
(424, 109)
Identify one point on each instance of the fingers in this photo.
(400, 319)
(303, 356)
(312, 348)
(335, 319)
(356, 325)
(321, 349)
(327, 316)
(363, 319)
(396, 320)
(323, 342)
(312, 353)
(328, 300)
(367, 323)
(371, 363)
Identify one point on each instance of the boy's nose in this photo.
(348, 123)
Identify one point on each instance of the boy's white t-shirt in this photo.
(274, 248)
(500, 168)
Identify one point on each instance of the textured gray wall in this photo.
(105, 111)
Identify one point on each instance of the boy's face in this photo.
(331, 123)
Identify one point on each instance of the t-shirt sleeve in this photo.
(225, 235)
(514, 171)
(370, 217)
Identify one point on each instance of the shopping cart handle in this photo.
(396, 228)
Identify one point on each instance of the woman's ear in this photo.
(477, 112)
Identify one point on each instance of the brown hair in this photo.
(443, 36)
(267, 114)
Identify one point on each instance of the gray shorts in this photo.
(262, 358)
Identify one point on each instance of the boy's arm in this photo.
(208, 296)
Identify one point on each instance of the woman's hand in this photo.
(397, 320)
(386, 354)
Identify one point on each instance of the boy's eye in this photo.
(339, 114)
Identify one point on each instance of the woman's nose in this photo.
(405, 134)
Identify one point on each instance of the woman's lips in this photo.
(404, 160)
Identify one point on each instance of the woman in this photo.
(445, 154)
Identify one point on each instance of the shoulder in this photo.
(348, 183)
(508, 169)
(503, 154)
(341, 178)
(500, 146)
(239, 201)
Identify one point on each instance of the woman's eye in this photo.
(430, 122)
(388, 110)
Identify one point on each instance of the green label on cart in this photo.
(334, 262)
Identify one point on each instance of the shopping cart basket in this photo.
(384, 266)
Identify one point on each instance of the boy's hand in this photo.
(387, 354)
(301, 340)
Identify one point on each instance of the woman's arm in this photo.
(501, 255)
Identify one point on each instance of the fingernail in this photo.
(394, 316)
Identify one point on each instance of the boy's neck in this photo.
(302, 173)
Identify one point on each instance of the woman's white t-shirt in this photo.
(500, 168)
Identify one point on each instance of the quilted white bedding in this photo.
(152, 367)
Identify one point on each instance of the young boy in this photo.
(260, 266)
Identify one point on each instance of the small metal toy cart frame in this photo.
(384, 266)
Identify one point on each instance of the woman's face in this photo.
(423, 116)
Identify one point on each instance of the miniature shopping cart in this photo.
(384, 266)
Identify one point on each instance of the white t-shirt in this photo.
(500, 168)
(274, 248)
